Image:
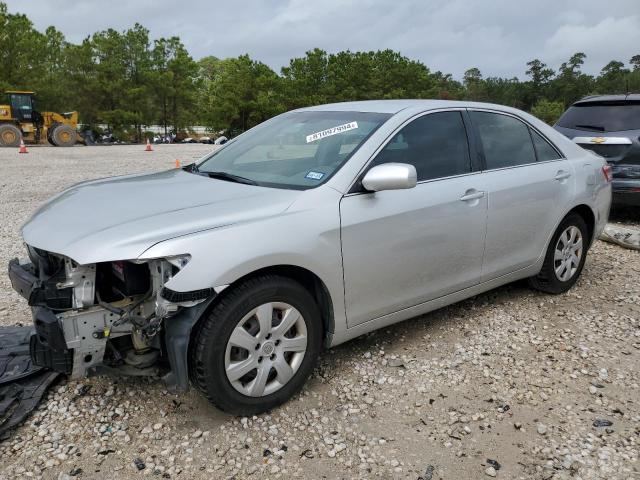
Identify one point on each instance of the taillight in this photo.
(606, 171)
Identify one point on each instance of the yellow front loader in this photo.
(19, 120)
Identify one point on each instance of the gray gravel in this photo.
(510, 384)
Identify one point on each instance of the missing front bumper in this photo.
(47, 346)
(74, 340)
(42, 293)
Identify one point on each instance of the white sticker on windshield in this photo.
(314, 175)
(332, 131)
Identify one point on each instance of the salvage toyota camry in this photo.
(308, 230)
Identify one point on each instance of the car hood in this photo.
(119, 218)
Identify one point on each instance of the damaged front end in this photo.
(109, 317)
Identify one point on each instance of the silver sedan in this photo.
(308, 230)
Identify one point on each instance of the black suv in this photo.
(610, 126)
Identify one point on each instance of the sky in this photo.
(497, 36)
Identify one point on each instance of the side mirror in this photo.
(390, 176)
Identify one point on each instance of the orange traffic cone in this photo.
(177, 163)
(23, 147)
(148, 149)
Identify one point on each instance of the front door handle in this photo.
(562, 175)
(471, 195)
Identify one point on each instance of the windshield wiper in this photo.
(591, 127)
(229, 177)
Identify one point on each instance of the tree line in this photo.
(128, 80)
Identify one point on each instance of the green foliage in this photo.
(323, 78)
(173, 82)
(238, 93)
(112, 77)
(548, 111)
(127, 80)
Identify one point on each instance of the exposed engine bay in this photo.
(104, 317)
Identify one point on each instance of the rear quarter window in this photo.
(544, 151)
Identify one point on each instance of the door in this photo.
(529, 184)
(404, 247)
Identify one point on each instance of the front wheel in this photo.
(64, 136)
(257, 346)
(565, 257)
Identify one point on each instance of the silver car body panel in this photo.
(402, 253)
(405, 247)
(119, 218)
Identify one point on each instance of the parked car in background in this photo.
(313, 228)
(609, 125)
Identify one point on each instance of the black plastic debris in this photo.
(15, 361)
(307, 453)
(602, 423)
(22, 384)
(428, 473)
(19, 399)
(494, 464)
(140, 465)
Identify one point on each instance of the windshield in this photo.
(602, 117)
(297, 150)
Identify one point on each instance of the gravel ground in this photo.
(511, 384)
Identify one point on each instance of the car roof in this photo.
(395, 106)
(629, 97)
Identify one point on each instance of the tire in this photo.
(229, 375)
(552, 277)
(10, 135)
(64, 136)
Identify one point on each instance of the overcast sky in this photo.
(497, 36)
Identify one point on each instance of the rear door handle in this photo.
(562, 175)
(473, 195)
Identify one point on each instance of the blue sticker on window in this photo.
(314, 175)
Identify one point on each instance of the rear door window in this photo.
(505, 140)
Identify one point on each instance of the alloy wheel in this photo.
(568, 253)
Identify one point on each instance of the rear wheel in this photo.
(565, 256)
(64, 136)
(257, 346)
(10, 135)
